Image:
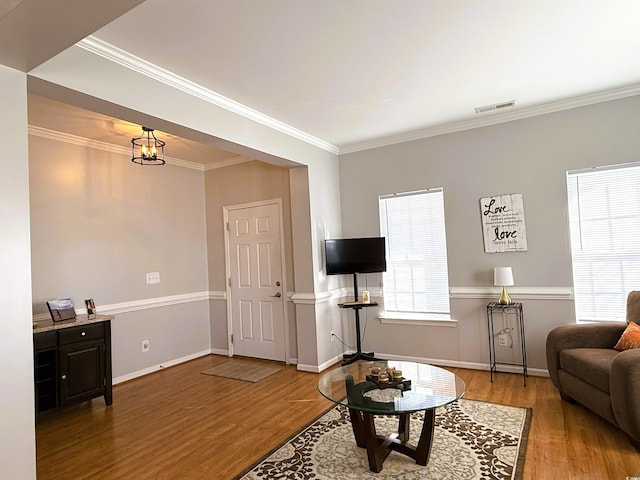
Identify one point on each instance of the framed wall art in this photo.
(503, 223)
(61, 309)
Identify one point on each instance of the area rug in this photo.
(242, 370)
(472, 441)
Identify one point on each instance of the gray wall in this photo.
(99, 223)
(530, 157)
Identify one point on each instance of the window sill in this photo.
(431, 319)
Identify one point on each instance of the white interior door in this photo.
(256, 284)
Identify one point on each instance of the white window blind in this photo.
(604, 217)
(416, 280)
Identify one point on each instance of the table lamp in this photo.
(503, 277)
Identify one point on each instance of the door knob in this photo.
(277, 295)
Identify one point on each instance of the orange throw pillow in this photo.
(630, 337)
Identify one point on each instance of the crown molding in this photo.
(227, 163)
(494, 118)
(126, 59)
(98, 145)
(137, 64)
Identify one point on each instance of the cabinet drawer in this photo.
(80, 334)
(45, 341)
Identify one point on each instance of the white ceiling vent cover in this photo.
(496, 106)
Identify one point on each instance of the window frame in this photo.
(600, 293)
(416, 316)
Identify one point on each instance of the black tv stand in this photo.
(356, 305)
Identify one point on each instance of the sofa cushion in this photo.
(590, 364)
(591, 397)
(630, 338)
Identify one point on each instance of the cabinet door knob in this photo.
(64, 377)
(83, 334)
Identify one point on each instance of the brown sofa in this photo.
(585, 368)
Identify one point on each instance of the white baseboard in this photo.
(160, 366)
(536, 372)
(220, 351)
(321, 367)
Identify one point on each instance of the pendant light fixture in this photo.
(147, 149)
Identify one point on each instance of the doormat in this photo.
(241, 370)
(472, 441)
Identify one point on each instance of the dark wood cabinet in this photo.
(72, 364)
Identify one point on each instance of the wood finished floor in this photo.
(179, 424)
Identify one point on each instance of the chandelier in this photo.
(147, 149)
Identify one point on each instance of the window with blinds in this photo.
(416, 280)
(604, 217)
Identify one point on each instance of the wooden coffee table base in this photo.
(379, 447)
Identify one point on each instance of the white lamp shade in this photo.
(502, 276)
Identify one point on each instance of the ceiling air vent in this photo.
(496, 106)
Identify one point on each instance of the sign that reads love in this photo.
(503, 223)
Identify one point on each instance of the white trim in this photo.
(399, 318)
(321, 367)
(522, 293)
(148, 303)
(114, 54)
(107, 147)
(217, 295)
(516, 293)
(144, 304)
(495, 118)
(227, 163)
(160, 366)
(121, 57)
(535, 372)
(304, 298)
(220, 351)
(318, 298)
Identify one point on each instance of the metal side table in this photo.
(497, 310)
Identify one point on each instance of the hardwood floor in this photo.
(180, 424)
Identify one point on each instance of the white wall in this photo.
(17, 446)
(527, 156)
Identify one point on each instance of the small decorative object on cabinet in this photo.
(91, 308)
(497, 311)
(72, 361)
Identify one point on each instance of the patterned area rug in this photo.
(472, 441)
(242, 370)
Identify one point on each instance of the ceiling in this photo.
(360, 73)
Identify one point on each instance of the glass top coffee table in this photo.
(364, 390)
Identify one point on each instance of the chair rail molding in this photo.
(144, 304)
(520, 293)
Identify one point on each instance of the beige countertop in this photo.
(47, 325)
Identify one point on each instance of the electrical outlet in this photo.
(145, 345)
(153, 278)
(503, 340)
(332, 335)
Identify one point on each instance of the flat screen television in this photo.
(355, 255)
